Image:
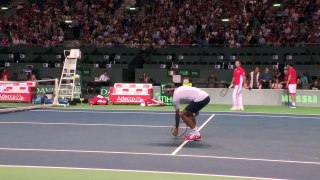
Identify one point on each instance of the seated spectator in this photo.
(5, 75)
(304, 81)
(145, 78)
(247, 80)
(276, 84)
(32, 77)
(265, 78)
(276, 74)
(186, 80)
(299, 84)
(212, 81)
(94, 86)
(255, 79)
(104, 77)
(5, 78)
(315, 85)
(285, 78)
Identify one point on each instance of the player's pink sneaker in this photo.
(192, 137)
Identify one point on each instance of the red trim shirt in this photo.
(293, 73)
(238, 74)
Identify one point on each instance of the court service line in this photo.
(85, 124)
(137, 171)
(160, 154)
(269, 116)
(244, 114)
(204, 112)
(185, 142)
(102, 112)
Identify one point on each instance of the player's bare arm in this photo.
(177, 118)
(289, 78)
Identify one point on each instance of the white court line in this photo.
(84, 124)
(103, 112)
(23, 108)
(160, 154)
(137, 171)
(293, 116)
(269, 116)
(82, 151)
(185, 142)
(160, 110)
(266, 113)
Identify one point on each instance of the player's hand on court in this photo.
(175, 131)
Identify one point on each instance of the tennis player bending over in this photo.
(196, 100)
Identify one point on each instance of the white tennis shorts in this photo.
(292, 88)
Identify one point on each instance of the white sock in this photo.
(195, 131)
(293, 104)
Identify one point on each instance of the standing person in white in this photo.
(238, 82)
(196, 100)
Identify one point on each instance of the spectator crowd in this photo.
(46, 22)
(164, 22)
(161, 23)
(272, 80)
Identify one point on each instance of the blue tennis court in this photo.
(234, 144)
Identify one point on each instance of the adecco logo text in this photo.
(128, 99)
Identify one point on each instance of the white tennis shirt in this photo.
(104, 78)
(186, 94)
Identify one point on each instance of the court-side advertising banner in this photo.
(42, 90)
(162, 97)
(267, 97)
(130, 93)
(17, 92)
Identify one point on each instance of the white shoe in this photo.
(241, 109)
(234, 109)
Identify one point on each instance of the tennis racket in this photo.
(224, 91)
(183, 128)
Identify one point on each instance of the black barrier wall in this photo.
(131, 62)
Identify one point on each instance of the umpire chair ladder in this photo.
(69, 79)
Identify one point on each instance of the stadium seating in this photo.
(273, 38)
